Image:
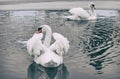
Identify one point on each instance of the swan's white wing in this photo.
(61, 44)
(34, 44)
(72, 17)
(79, 12)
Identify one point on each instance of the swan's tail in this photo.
(51, 63)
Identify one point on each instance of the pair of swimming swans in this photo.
(81, 14)
(45, 53)
(51, 55)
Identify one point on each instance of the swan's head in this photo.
(92, 5)
(45, 28)
(39, 30)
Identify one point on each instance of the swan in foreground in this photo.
(81, 14)
(45, 53)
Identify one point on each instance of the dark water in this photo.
(94, 45)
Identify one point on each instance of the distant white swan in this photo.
(45, 53)
(81, 14)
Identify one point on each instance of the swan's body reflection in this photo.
(36, 71)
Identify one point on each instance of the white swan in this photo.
(45, 53)
(81, 14)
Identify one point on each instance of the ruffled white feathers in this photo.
(46, 54)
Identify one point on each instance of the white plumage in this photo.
(46, 54)
(81, 14)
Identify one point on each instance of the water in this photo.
(94, 45)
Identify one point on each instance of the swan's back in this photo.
(79, 12)
(53, 55)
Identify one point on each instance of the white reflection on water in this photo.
(94, 44)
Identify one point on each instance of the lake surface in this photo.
(94, 45)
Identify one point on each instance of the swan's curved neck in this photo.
(48, 35)
(92, 13)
